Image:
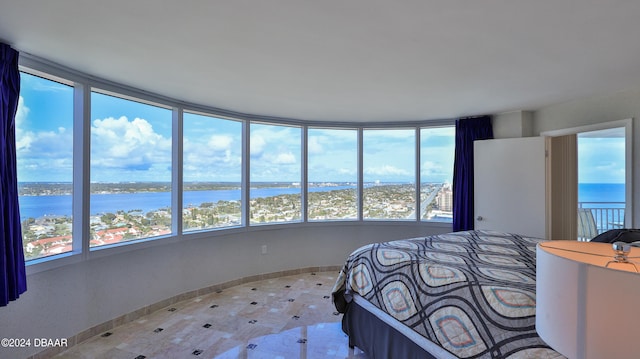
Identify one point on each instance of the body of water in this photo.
(606, 201)
(39, 206)
(602, 192)
(60, 205)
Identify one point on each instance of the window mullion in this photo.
(176, 173)
(245, 178)
(81, 232)
(360, 174)
(304, 174)
(418, 188)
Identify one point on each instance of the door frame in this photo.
(628, 126)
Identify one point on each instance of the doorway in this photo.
(603, 184)
(601, 181)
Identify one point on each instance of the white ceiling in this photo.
(348, 60)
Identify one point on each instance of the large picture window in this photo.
(212, 172)
(332, 162)
(389, 174)
(235, 172)
(130, 170)
(44, 154)
(276, 173)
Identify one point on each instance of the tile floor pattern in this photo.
(286, 317)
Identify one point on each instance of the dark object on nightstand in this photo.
(626, 235)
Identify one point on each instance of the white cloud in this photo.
(130, 145)
(215, 158)
(601, 160)
(42, 155)
(608, 166)
(603, 172)
(40, 146)
(22, 112)
(220, 142)
(387, 170)
(273, 153)
(436, 171)
(347, 171)
(430, 167)
(314, 145)
(285, 158)
(258, 144)
(267, 138)
(212, 157)
(23, 138)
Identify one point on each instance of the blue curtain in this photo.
(467, 131)
(13, 279)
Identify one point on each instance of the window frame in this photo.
(146, 102)
(357, 179)
(416, 174)
(243, 203)
(76, 242)
(302, 169)
(84, 84)
(419, 168)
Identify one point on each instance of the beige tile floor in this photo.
(286, 317)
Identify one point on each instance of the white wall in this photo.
(65, 301)
(588, 111)
(512, 124)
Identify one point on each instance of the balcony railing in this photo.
(606, 215)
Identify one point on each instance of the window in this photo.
(44, 154)
(130, 162)
(332, 163)
(275, 173)
(212, 172)
(389, 162)
(130, 170)
(437, 148)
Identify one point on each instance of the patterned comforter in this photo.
(472, 293)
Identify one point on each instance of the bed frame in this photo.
(384, 336)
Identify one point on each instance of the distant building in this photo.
(445, 199)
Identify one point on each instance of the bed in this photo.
(457, 295)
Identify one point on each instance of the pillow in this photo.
(626, 235)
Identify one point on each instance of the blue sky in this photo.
(437, 154)
(332, 155)
(389, 155)
(131, 141)
(601, 159)
(212, 149)
(44, 131)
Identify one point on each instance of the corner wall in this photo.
(512, 124)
